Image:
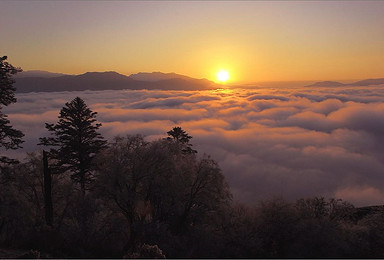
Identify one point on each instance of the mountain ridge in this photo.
(157, 76)
(38, 73)
(365, 82)
(110, 80)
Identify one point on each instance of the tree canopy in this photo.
(148, 182)
(181, 138)
(7, 95)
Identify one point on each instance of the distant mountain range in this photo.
(38, 73)
(156, 76)
(366, 82)
(43, 81)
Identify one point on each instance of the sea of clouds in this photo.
(285, 142)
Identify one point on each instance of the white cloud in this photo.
(291, 142)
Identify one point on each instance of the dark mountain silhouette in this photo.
(365, 82)
(368, 82)
(326, 84)
(38, 74)
(156, 76)
(108, 81)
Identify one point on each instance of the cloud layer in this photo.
(289, 142)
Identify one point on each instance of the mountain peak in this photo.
(101, 72)
(105, 75)
(157, 76)
(38, 74)
(326, 84)
(365, 82)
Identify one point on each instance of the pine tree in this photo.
(10, 138)
(77, 140)
(181, 137)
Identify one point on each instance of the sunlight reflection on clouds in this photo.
(291, 142)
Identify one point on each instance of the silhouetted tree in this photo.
(276, 227)
(181, 138)
(21, 202)
(239, 233)
(10, 138)
(47, 191)
(152, 184)
(77, 141)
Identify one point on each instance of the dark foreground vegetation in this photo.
(82, 197)
(147, 201)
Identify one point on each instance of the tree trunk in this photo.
(47, 191)
(82, 182)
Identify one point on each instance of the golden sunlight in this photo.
(222, 76)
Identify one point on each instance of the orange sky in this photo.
(253, 40)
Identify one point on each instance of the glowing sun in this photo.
(222, 76)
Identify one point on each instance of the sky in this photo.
(269, 142)
(253, 40)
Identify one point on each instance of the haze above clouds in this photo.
(289, 142)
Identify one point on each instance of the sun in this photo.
(222, 76)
